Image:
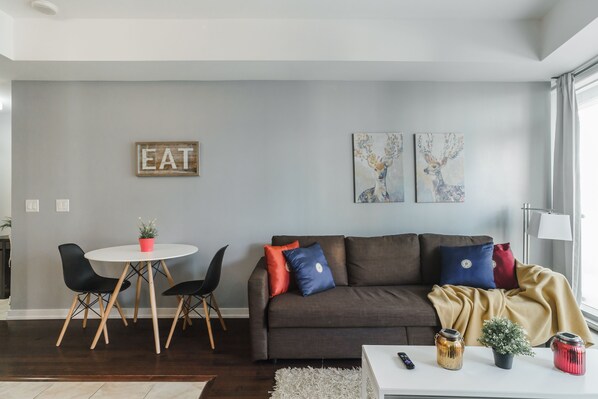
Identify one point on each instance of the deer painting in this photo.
(377, 152)
(452, 148)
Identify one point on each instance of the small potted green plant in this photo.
(507, 339)
(147, 233)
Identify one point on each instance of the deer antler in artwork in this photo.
(363, 148)
(425, 144)
(379, 164)
(393, 148)
(453, 145)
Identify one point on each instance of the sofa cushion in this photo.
(430, 252)
(387, 306)
(278, 273)
(470, 266)
(386, 260)
(310, 269)
(334, 251)
(505, 275)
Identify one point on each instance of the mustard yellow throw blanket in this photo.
(544, 305)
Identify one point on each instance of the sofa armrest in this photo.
(259, 293)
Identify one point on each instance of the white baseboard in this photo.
(144, 313)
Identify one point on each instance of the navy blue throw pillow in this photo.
(310, 268)
(470, 266)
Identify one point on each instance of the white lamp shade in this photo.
(550, 226)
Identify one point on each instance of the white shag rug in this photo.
(322, 383)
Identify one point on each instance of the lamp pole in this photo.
(526, 208)
(526, 220)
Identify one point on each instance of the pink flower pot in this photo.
(146, 244)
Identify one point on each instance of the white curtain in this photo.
(566, 180)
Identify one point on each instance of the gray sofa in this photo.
(380, 298)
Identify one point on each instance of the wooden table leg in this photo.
(101, 301)
(171, 282)
(167, 272)
(122, 315)
(152, 295)
(110, 304)
(86, 309)
(137, 292)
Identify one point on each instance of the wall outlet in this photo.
(31, 205)
(62, 205)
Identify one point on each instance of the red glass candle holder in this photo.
(569, 353)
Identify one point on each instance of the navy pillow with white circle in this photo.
(470, 266)
(310, 268)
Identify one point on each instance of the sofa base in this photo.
(341, 343)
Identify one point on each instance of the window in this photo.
(587, 98)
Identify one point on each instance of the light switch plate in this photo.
(62, 205)
(31, 205)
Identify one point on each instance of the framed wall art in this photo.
(378, 167)
(167, 158)
(439, 167)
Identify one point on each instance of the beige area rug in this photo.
(322, 383)
(100, 390)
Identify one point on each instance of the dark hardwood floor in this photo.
(27, 349)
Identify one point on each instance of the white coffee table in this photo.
(530, 377)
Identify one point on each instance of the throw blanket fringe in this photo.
(543, 304)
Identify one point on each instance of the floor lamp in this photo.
(545, 224)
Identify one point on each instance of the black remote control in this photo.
(405, 359)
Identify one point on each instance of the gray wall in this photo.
(5, 164)
(276, 158)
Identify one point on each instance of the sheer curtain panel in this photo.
(566, 180)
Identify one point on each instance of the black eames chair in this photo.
(80, 277)
(203, 291)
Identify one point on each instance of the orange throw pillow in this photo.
(278, 272)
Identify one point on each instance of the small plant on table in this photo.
(507, 339)
(147, 233)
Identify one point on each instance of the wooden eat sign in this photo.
(167, 158)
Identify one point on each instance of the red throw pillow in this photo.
(278, 271)
(504, 267)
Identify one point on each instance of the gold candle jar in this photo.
(449, 349)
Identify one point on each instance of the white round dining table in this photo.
(131, 253)
(132, 256)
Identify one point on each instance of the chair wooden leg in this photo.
(171, 282)
(208, 323)
(86, 310)
(68, 319)
(120, 311)
(213, 300)
(137, 294)
(187, 313)
(101, 301)
(113, 296)
(176, 318)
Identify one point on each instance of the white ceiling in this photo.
(433, 40)
(302, 9)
